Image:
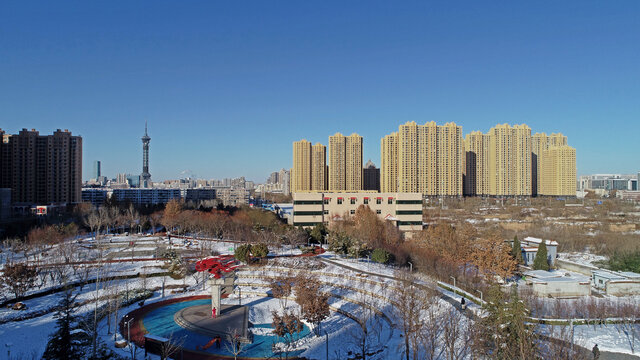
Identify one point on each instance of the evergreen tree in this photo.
(540, 262)
(519, 335)
(516, 251)
(62, 346)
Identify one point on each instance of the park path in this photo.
(604, 355)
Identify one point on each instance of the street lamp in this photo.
(480, 295)
(410, 266)
(454, 283)
(129, 335)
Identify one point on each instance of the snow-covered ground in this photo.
(582, 258)
(349, 288)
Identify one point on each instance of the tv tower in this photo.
(145, 177)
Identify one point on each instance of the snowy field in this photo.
(25, 333)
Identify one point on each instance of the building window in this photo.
(352, 212)
(366, 201)
(326, 212)
(378, 201)
(390, 201)
(378, 211)
(353, 201)
(326, 201)
(339, 201)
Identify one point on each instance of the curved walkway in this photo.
(604, 355)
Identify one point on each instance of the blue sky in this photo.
(228, 86)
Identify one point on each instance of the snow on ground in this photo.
(582, 258)
(614, 338)
(29, 337)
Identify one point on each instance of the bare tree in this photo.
(409, 304)
(171, 347)
(233, 343)
(455, 334)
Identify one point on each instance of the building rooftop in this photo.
(538, 241)
(554, 276)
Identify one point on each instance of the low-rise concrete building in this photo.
(616, 283)
(403, 209)
(558, 284)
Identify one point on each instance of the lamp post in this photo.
(129, 336)
(410, 266)
(480, 295)
(454, 283)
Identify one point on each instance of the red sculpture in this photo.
(216, 265)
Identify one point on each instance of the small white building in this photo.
(530, 246)
(616, 283)
(557, 284)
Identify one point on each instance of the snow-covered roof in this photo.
(608, 275)
(629, 274)
(543, 273)
(538, 241)
(554, 276)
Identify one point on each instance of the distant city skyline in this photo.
(227, 87)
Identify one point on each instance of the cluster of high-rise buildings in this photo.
(342, 171)
(436, 160)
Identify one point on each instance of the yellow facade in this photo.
(301, 171)
(559, 171)
(510, 160)
(353, 163)
(539, 143)
(389, 163)
(429, 159)
(318, 167)
(345, 162)
(476, 177)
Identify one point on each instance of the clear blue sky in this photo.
(228, 86)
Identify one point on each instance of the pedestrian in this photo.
(463, 304)
(213, 313)
(218, 341)
(596, 352)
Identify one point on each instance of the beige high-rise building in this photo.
(429, 159)
(345, 162)
(353, 163)
(476, 177)
(389, 163)
(318, 167)
(510, 160)
(301, 171)
(539, 143)
(558, 171)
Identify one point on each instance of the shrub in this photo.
(243, 252)
(381, 256)
(259, 250)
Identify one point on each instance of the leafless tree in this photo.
(170, 347)
(455, 334)
(408, 305)
(233, 343)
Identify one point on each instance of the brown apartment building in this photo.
(41, 169)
